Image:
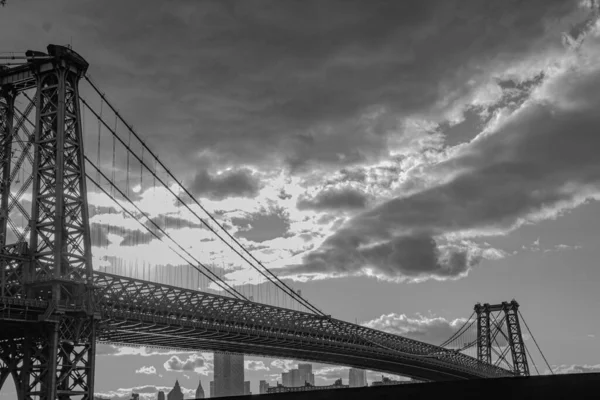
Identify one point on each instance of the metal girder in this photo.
(7, 102)
(48, 360)
(156, 315)
(13, 259)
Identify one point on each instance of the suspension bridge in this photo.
(71, 219)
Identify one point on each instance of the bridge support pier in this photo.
(49, 360)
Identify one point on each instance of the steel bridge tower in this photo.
(490, 324)
(49, 355)
(52, 302)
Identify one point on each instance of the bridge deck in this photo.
(137, 312)
(142, 312)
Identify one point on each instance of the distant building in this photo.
(161, 395)
(385, 381)
(306, 388)
(298, 377)
(175, 393)
(211, 389)
(247, 388)
(135, 396)
(286, 379)
(357, 377)
(228, 375)
(200, 391)
(263, 387)
(306, 374)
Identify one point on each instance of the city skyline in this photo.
(326, 376)
(356, 378)
(395, 163)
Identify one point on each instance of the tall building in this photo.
(212, 389)
(175, 393)
(263, 386)
(247, 388)
(306, 374)
(357, 377)
(298, 377)
(228, 375)
(161, 395)
(286, 379)
(200, 391)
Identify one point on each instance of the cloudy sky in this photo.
(396, 161)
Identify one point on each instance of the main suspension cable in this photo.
(531, 358)
(535, 341)
(277, 282)
(458, 332)
(218, 280)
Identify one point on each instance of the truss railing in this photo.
(137, 312)
(157, 306)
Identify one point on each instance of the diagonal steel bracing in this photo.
(54, 308)
(487, 321)
(48, 335)
(145, 313)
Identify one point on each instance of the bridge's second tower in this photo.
(500, 322)
(46, 259)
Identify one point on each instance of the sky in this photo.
(396, 161)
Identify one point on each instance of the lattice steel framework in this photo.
(136, 312)
(145, 313)
(492, 324)
(51, 302)
(484, 340)
(48, 260)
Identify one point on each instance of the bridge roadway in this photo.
(136, 312)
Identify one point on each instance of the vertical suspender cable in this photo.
(284, 287)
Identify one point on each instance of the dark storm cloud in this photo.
(232, 183)
(135, 238)
(305, 82)
(539, 160)
(353, 175)
(413, 257)
(334, 199)
(169, 222)
(263, 226)
(139, 235)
